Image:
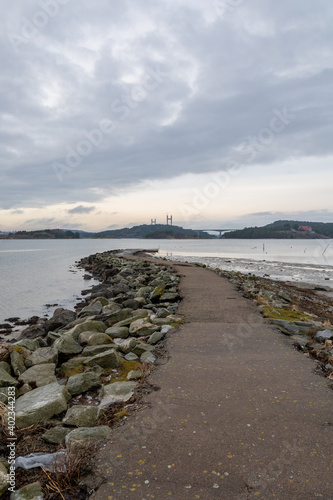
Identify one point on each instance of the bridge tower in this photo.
(169, 219)
(153, 222)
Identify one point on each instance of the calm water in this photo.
(35, 273)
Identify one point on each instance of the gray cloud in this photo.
(81, 210)
(212, 83)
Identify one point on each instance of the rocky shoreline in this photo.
(81, 372)
(78, 373)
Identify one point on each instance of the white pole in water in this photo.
(325, 249)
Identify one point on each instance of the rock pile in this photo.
(71, 368)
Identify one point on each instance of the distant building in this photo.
(308, 229)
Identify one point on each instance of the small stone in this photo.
(134, 374)
(131, 356)
(116, 392)
(82, 416)
(147, 357)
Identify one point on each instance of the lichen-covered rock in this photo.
(92, 350)
(142, 327)
(56, 435)
(134, 374)
(82, 416)
(32, 491)
(83, 382)
(117, 316)
(17, 362)
(83, 435)
(99, 339)
(116, 392)
(39, 375)
(142, 347)
(40, 404)
(155, 337)
(170, 297)
(117, 332)
(6, 380)
(89, 325)
(41, 356)
(61, 317)
(108, 359)
(91, 309)
(30, 344)
(5, 366)
(67, 346)
(147, 357)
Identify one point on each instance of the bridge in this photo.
(220, 231)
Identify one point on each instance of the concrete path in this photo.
(239, 414)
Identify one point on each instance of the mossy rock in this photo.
(285, 314)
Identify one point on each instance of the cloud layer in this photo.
(98, 98)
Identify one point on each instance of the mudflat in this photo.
(238, 413)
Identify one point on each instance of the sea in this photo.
(37, 276)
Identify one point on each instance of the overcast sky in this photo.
(118, 111)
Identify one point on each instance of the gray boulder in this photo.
(39, 375)
(32, 332)
(116, 392)
(41, 356)
(142, 327)
(56, 435)
(82, 416)
(92, 350)
(83, 435)
(89, 325)
(324, 335)
(5, 366)
(30, 344)
(17, 362)
(32, 491)
(91, 310)
(61, 317)
(117, 332)
(155, 337)
(99, 339)
(40, 404)
(67, 346)
(82, 382)
(287, 327)
(147, 357)
(108, 359)
(6, 380)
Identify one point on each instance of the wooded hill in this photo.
(285, 229)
